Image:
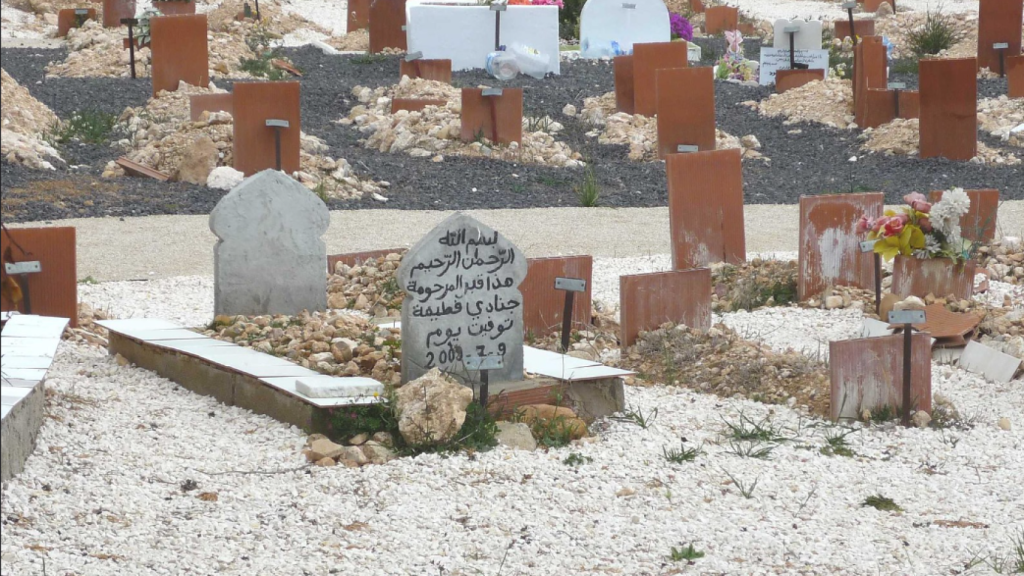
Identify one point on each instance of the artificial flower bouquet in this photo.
(921, 229)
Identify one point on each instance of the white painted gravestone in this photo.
(462, 300)
(806, 44)
(806, 37)
(622, 22)
(269, 258)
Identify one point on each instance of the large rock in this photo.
(516, 436)
(431, 409)
(558, 417)
(198, 162)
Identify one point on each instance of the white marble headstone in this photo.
(625, 22)
(269, 258)
(462, 299)
(807, 38)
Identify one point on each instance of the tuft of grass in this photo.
(686, 554)
(837, 445)
(746, 490)
(637, 416)
(553, 433)
(588, 192)
(88, 280)
(577, 459)
(321, 192)
(366, 59)
(89, 126)
(751, 450)
(939, 32)
(883, 503)
(763, 430)
(682, 454)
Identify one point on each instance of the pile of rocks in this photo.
(897, 27)
(753, 284)
(829, 102)
(162, 136)
(640, 133)
(1000, 116)
(371, 287)
(436, 130)
(88, 331)
(278, 20)
(360, 451)
(721, 362)
(355, 41)
(1004, 258)
(95, 51)
(902, 136)
(25, 124)
(333, 343)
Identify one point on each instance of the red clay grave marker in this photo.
(867, 374)
(705, 208)
(53, 290)
(358, 15)
(830, 245)
(949, 108)
(648, 58)
(256, 105)
(650, 300)
(623, 70)
(999, 32)
(439, 70)
(869, 73)
(980, 221)
(496, 113)
(686, 109)
(860, 27)
(543, 305)
(1015, 76)
(175, 7)
(73, 18)
(116, 10)
(179, 52)
(718, 19)
(387, 25)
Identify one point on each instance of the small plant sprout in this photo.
(577, 459)
(883, 503)
(588, 192)
(682, 454)
(747, 491)
(637, 416)
(687, 553)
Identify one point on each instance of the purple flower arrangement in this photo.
(680, 27)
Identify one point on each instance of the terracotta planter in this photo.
(175, 8)
(937, 276)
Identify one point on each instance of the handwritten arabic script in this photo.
(462, 299)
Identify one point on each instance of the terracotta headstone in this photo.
(1015, 76)
(543, 305)
(869, 72)
(623, 70)
(497, 118)
(999, 22)
(874, 5)
(686, 109)
(867, 374)
(789, 79)
(462, 299)
(254, 142)
(830, 245)
(718, 19)
(269, 257)
(175, 7)
(387, 25)
(179, 52)
(73, 18)
(705, 208)
(358, 15)
(981, 219)
(861, 28)
(939, 276)
(649, 300)
(949, 108)
(438, 70)
(115, 10)
(199, 103)
(648, 58)
(53, 290)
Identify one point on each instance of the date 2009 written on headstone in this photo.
(462, 299)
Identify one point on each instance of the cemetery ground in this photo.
(725, 458)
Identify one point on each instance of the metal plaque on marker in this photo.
(906, 317)
(492, 92)
(499, 7)
(480, 363)
(278, 124)
(867, 246)
(1000, 46)
(687, 148)
(849, 5)
(22, 268)
(413, 56)
(571, 284)
(629, 6)
(791, 29)
(81, 12)
(897, 85)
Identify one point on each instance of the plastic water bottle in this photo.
(502, 66)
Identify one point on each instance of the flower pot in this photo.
(937, 276)
(175, 7)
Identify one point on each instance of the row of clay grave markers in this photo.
(38, 275)
(875, 102)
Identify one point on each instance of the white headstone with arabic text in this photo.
(808, 37)
(462, 299)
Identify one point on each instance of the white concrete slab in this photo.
(330, 387)
(11, 396)
(42, 362)
(30, 374)
(873, 328)
(24, 326)
(290, 385)
(992, 364)
(158, 336)
(568, 368)
(195, 347)
(4, 411)
(135, 324)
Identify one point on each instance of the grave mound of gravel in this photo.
(26, 122)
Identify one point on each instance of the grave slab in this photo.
(718, 19)
(623, 71)
(949, 108)
(991, 364)
(438, 70)
(874, 5)
(543, 305)
(829, 250)
(705, 204)
(610, 27)
(54, 290)
(939, 276)
(414, 104)
(980, 221)
(867, 374)
(269, 258)
(686, 109)
(200, 103)
(648, 58)
(254, 142)
(179, 52)
(462, 300)
(862, 28)
(73, 18)
(358, 15)
(999, 22)
(387, 25)
(1015, 76)
(649, 300)
(498, 118)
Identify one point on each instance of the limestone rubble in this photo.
(25, 124)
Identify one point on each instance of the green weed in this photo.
(883, 503)
(577, 459)
(588, 192)
(687, 554)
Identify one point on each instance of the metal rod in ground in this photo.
(26, 293)
(897, 91)
(878, 284)
(1002, 63)
(485, 384)
(131, 43)
(277, 147)
(258, 11)
(792, 51)
(567, 320)
(853, 32)
(907, 400)
(497, 31)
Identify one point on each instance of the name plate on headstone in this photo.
(897, 86)
(462, 300)
(1000, 46)
(906, 317)
(571, 284)
(81, 12)
(499, 7)
(481, 363)
(849, 5)
(775, 59)
(628, 6)
(16, 268)
(492, 92)
(867, 246)
(687, 149)
(277, 124)
(413, 56)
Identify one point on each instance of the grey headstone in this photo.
(462, 298)
(269, 258)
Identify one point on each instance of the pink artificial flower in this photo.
(925, 223)
(864, 224)
(879, 224)
(894, 226)
(918, 202)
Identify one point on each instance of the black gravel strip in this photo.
(814, 160)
